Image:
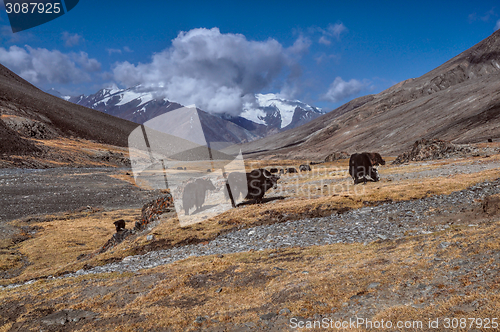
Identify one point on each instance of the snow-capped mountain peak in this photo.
(270, 113)
(272, 106)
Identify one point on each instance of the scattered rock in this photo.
(64, 316)
(491, 204)
(337, 156)
(444, 245)
(154, 209)
(268, 316)
(425, 149)
(285, 311)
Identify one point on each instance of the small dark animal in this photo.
(291, 170)
(120, 225)
(361, 166)
(180, 168)
(257, 183)
(490, 140)
(273, 170)
(209, 170)
(304, 168)
(194, 194)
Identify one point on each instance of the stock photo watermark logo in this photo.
(172, 151)
(25, 15)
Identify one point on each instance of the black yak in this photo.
(254, 184)
(304, 168)
(119, 225)
(361, 166)
(194, 194)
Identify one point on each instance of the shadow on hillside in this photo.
(264, 200)
(203, 208)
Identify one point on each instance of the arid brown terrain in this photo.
(419, 245)
(459, 101)
(38, 130)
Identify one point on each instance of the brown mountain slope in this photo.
(458, 101)
(27, 113)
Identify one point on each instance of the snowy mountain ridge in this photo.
(269, 104)
(269, 113)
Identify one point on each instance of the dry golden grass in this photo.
(54, 249)
(254, 283)
(62, 238)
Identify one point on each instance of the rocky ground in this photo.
(382, 222)
(31, 192)
(445, 262)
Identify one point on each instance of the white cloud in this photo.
(497, 26)
(40, 66)
(325, 41)
(217, 72)
(118, 50)
(336, 29)
(323, 57)
(113, 50)
(71, 39)
(332, 31)
(340, 89)
(300, 46)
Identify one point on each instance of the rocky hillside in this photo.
(459, 101)
(27, 112)
(38, 130)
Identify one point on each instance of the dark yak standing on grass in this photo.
(194, 194)
(304, 168)
(361, 166)
(257, 183)
(291, 170)
(120, 225)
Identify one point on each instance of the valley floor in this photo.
(420, 245)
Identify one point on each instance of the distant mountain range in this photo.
(458, 101)
(269, 115)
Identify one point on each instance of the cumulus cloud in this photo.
(71, 39)
(40, 65)
(217, 72)
(340, 89)
(113, 50)
(497, 26)
(332, 31)
(300, 46)
(323, 57)
(323, 40)
(118, 50)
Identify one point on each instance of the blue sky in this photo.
(218, 53)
